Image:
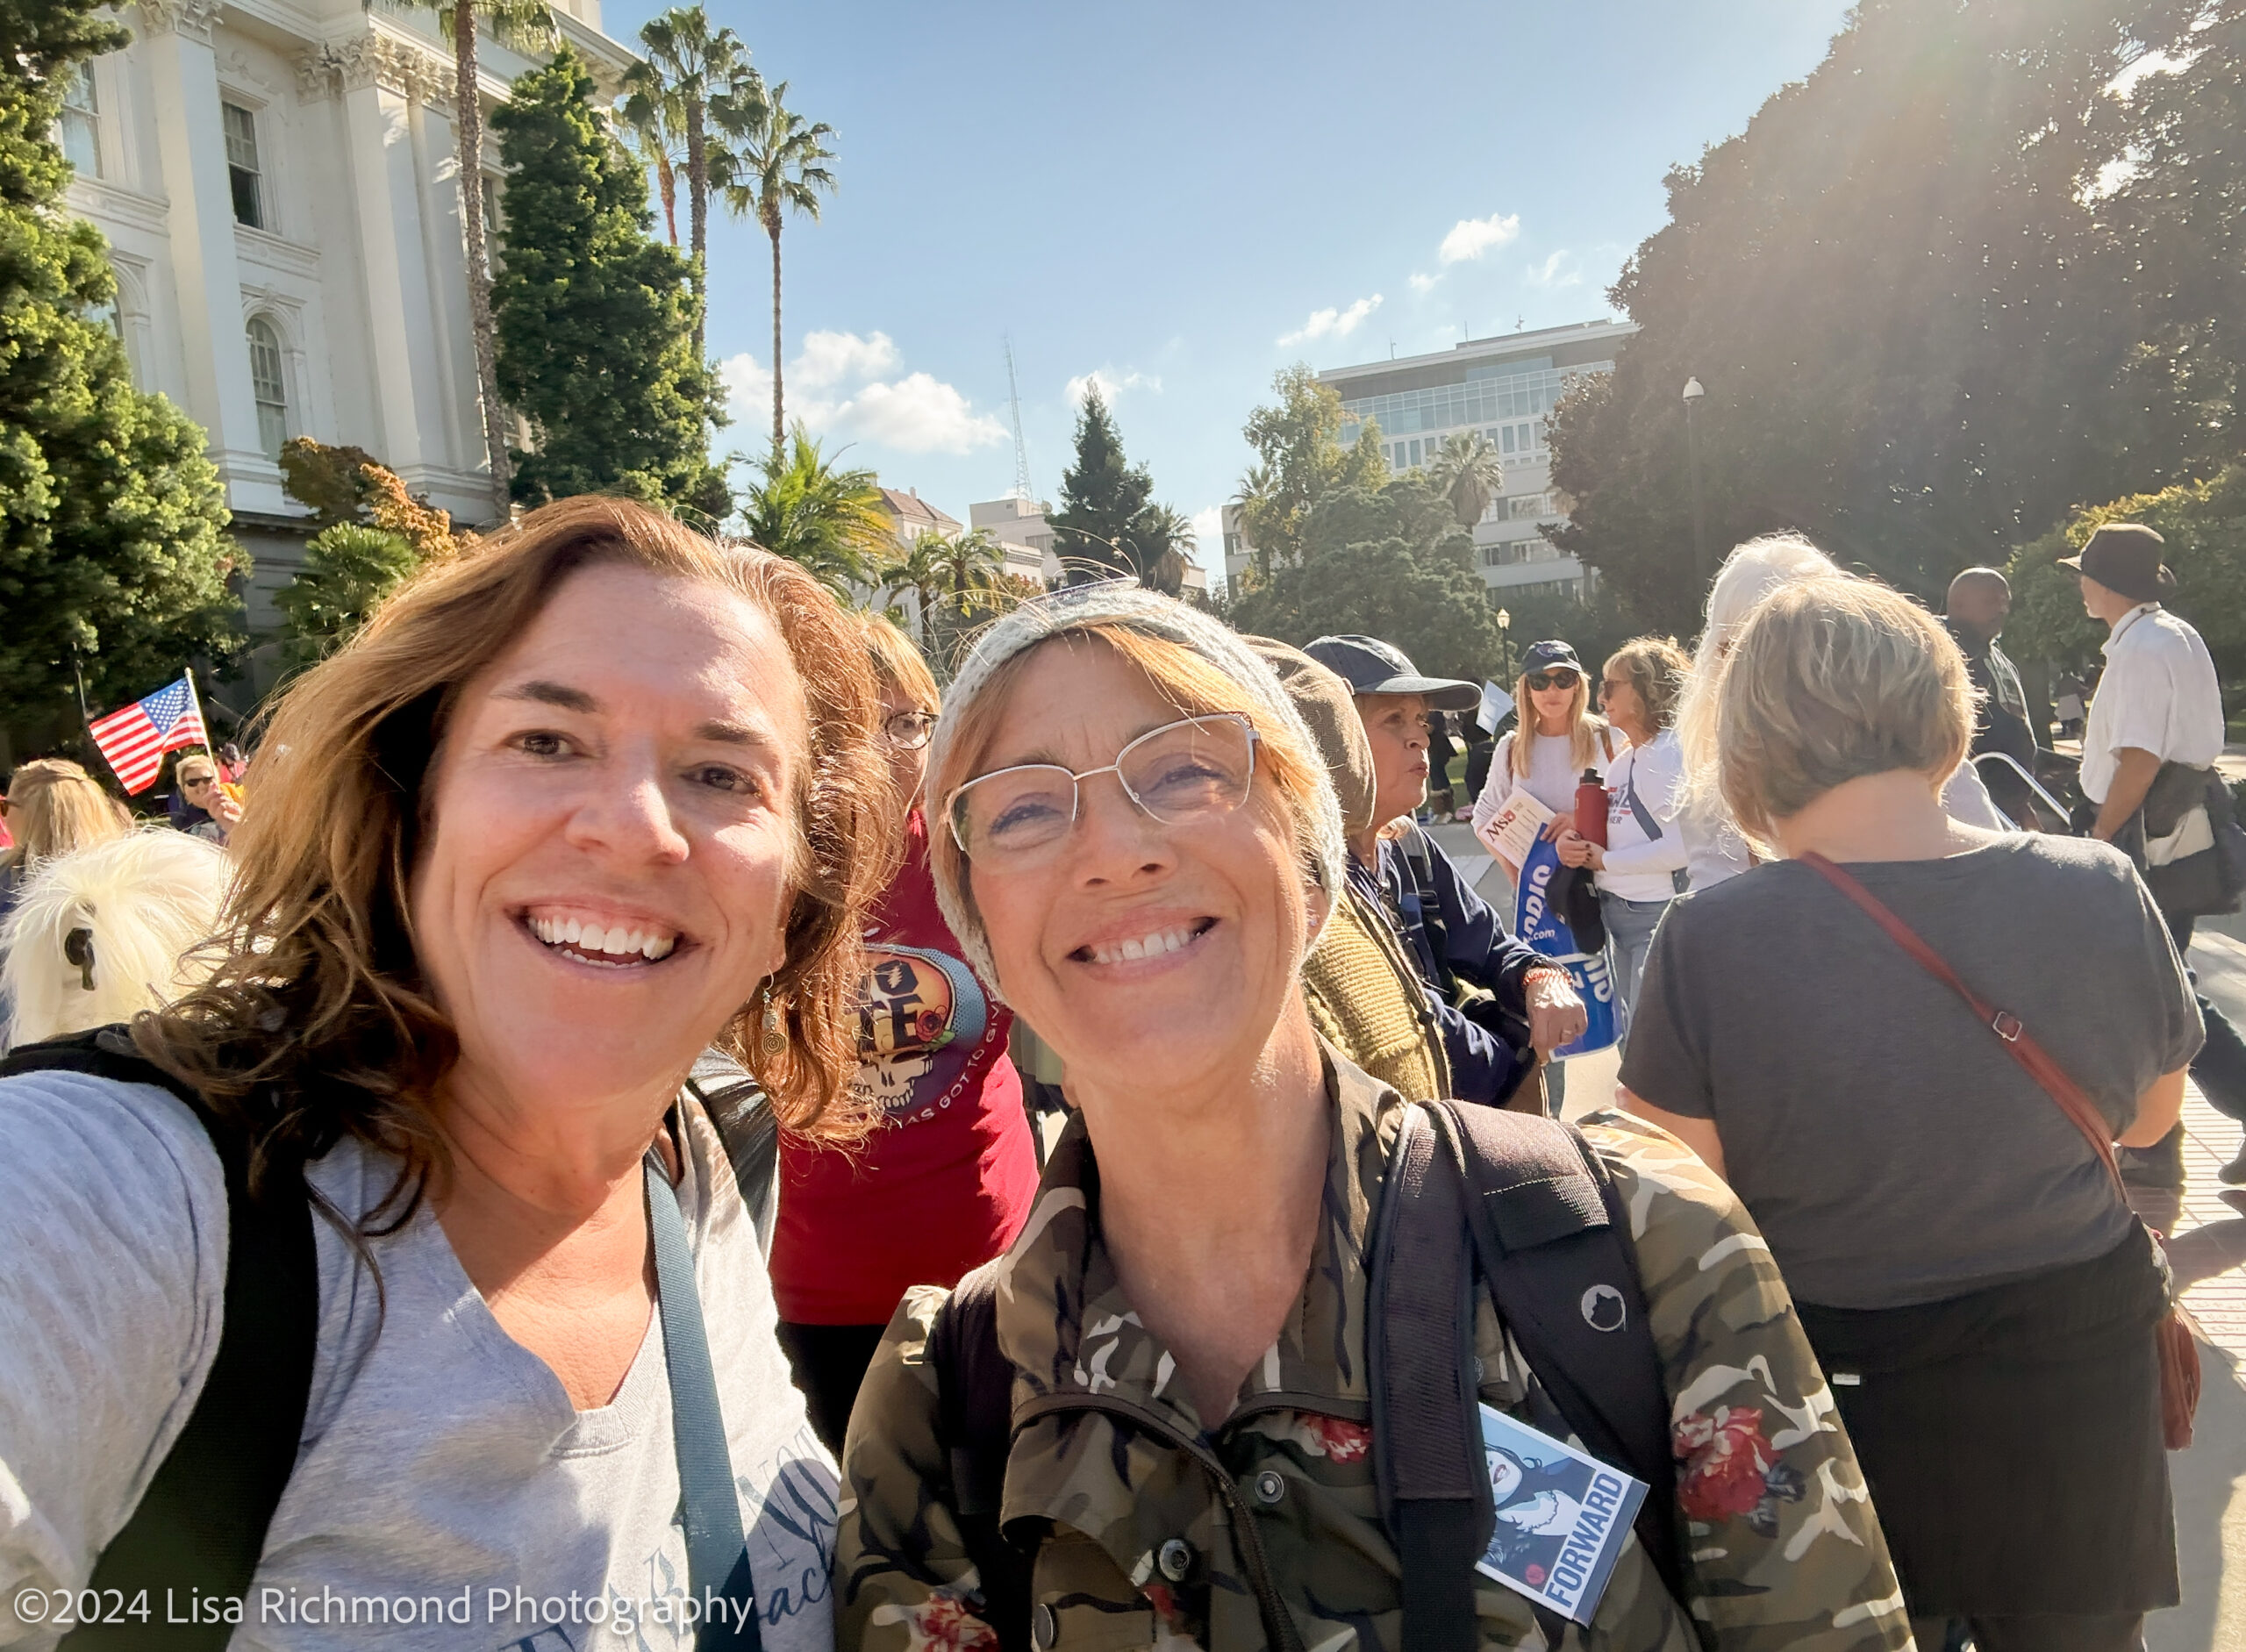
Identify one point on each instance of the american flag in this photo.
(136, 739)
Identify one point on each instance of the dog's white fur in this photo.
(150, 899)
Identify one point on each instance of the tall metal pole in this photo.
(1693, 393)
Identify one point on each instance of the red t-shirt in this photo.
(946, 1183)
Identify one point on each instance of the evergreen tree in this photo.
(112, 521)
(1101, 495)
(595, 317)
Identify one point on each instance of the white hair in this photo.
(144, 901)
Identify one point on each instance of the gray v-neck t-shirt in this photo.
(1889, 1149)
(446, 1494)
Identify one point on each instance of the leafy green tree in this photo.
(1389, 562)
(595, 315)
(1470, 473)
(2181, 214)
(527, 25)
(1299, 458)
(804, 506)
(689, 65)
(349, 570)
(112, 521)
(1894, 287)
(778, 166)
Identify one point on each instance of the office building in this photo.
(1505, 387)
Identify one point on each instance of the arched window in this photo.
(269, 383)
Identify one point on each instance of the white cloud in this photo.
(918, 414)
(834, 387)
(1209, 534)
(1111, 384)
(1471, 237)
(1559, 270)
(1424, 284)
(1331, 324)
(838, 358)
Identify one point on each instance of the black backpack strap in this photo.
(975, 1400)
(201, 1526)
(1554, 1241)
(1427, 1431)
(743, 1114)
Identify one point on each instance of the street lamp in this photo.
(1693, 392)
(1505, 641)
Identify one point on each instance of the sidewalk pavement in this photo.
(2206, 1229)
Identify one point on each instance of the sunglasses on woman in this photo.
(1562, 678)
(1182, 773)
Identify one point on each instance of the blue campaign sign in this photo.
(1537, 921)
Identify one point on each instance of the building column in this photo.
(191, 139)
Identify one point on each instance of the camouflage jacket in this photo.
(1160, 1533)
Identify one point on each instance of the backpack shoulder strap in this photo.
(201, 1525)
(1552, 1236)
(743, 1114)
(974, 1397)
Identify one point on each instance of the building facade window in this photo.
(269, 383)
(244, 175)
(82, 128)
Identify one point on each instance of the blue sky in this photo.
(1185, 197)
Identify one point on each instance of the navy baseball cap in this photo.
(1369, 665)
(1545, 656)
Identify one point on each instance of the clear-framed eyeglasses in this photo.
(909, 731)
(1191, 770)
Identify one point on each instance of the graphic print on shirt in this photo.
(921, 1017)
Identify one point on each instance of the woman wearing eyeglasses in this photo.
(1138, 843)
(1565, 737)
(944, 1184)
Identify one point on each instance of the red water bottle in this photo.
(1591, 809)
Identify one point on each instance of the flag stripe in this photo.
(135, 738)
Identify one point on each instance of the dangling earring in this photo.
(774, 1039)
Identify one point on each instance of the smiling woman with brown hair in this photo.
(566, 812)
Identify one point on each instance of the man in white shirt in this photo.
(2159, 702)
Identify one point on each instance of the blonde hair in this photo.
(319, 1024)
(54, 806)
(1754, 569)
(144, 903)
(1585, 726)
(193, 760)
(1656, 669)
(1830, 679)
(1194, 684)
(897, 665)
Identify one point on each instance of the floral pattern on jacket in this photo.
(1155, 1532)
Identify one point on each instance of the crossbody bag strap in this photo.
(717, 1572)
(2034, 1059)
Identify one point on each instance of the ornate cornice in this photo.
(191, 18)
(375, 59)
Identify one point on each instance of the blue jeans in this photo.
(1629, 937)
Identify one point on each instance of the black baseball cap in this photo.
(2125, 557)
(1369, 665)
(1545, 656)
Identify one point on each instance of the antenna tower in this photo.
(1022, 446)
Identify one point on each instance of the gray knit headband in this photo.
(1120, 603)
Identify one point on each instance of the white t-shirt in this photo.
(2159, 694)
(439, 1458)
(1552, 772)
(1637, 866)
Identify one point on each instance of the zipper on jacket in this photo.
(1279, 1623)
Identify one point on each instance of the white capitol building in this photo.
(278, 185)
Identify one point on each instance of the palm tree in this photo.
(1470, 473)
(651, 124)
(919, 571)
(777, 166)
(805, 507)
(1161, 536)
(1258, 500)
(526, 26)
(973, 565)
(702, 73)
